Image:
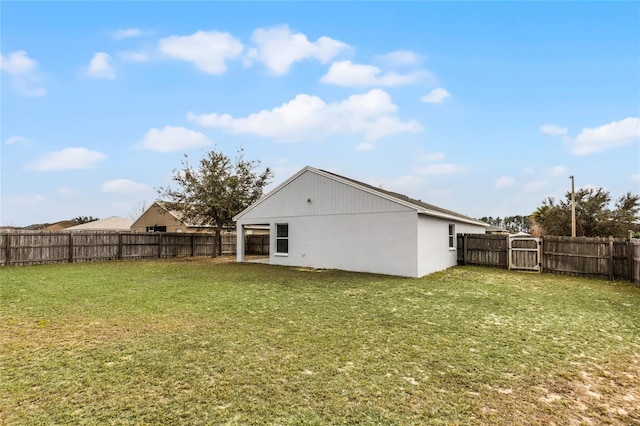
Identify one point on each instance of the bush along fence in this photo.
(31, 248)
(605, 258)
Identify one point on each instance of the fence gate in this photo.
(524, 253)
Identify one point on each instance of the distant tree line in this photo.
(84, 219)
(512, 224)
(594, 215)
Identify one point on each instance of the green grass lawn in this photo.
(210, 342)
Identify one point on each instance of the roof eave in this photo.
(452, 217)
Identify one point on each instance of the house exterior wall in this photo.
(434, 253)
(383, 243)
(156, 215)
(333, 223)
(313, 195)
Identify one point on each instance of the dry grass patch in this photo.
(592, 392)
(208, 341)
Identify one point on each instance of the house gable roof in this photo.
(417, 205)
(113, 223)
(164, 206)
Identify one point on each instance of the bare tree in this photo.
(138, 210)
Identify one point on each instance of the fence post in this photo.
(193, 245)
(611, 271)
(8, 254)
(119, 252)
(465, 250)
(70, 247)
(508, 250)
(159, 244)
(541, 248)
(629, 258)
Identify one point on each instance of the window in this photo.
(282, 238)
(452, 236)
(156, 228)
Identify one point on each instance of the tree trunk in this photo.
(218, 249)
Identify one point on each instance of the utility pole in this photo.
(573, 208)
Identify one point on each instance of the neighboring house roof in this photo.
(58, 226)
(418, 205)
(179, 216)
(113, 223)
(492, 228)
(164, 205)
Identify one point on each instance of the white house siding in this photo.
(434, 253)
(312, 195)
(376, 242)
(338, 223)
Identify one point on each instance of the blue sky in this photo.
(482, 108)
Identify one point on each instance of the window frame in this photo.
(452, 236)
(281, 238)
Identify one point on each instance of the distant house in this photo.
(57, 226)
(159, 218)
(113, 223)
(496, 230)
(323, 220)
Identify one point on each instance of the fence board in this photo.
(36, 247)
(486, 250)
(257, 244)
(635, 257)
(604, 258)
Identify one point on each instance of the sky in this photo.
(482, 108)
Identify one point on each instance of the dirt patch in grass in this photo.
(596, 392)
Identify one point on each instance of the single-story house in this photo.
(319, 219)
(113, 223)
(496, 230)
(160, 218)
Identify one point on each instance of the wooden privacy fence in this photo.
(30, 248)
(606, 258)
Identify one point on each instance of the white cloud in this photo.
(209, 51)
(100, 66)
(133, 56)
(278, 48)
(613, 135)
(441, 169)
(68, 159)
(124, 186)
(173, 139)
(127, 33)
(436, 96)
(558, 171)
(65, 190)
(504, 182)
(635, 177)
(534, 186)
(25, 76)
(17, 140)
(28, 199)
(365, 146)
(370, 115)
(400, 58)
(346, 73)
(17, 63)
(552, 129)
(431, 156)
